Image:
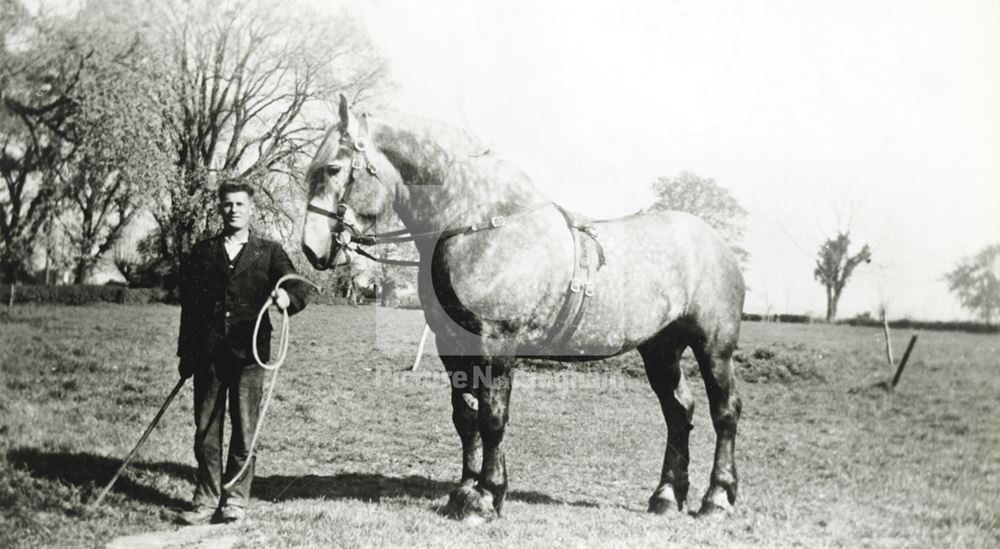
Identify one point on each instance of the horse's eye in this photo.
(332, 170)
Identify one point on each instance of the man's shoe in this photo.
(201, 514)
(232, 513)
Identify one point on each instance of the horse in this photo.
(505, 273)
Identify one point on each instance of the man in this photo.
(224, 282)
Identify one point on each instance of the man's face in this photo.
(236, 210)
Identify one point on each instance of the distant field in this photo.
(359, 452)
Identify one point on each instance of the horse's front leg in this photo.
(465, 415)
(494, 402)
(491, 382)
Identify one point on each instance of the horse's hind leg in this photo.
(661, 356)
(714, 354)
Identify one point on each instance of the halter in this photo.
(356, 239)
(360, 160)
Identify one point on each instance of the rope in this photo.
(274, 367)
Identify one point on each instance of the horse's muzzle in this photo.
(318, 262)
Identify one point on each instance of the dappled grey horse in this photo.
(505, 273)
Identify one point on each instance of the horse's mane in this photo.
(456, 140)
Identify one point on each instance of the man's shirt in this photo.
(234, 244)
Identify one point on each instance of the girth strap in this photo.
(581, 286)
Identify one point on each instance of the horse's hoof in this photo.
(663, 506)
(469, 505)
(663, 501)
(716, 502)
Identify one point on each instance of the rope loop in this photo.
(274, 367)
(283, 340)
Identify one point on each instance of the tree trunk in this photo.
(8, 267)
(832, 299)
(80, 272)
(831, 306)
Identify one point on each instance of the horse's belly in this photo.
(612, 321)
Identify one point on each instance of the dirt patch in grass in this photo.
(778, 363)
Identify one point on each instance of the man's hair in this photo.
(230, 187)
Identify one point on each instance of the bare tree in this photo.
(976, 282)
(245, 79)
(834, 267)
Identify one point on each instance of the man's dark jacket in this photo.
(219, 304)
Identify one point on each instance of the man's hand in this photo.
(186, 367)
(281, 299)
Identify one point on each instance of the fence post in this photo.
(902, 363)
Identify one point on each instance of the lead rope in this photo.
(274, 367)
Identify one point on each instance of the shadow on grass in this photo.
(91, 472)
(374, 487)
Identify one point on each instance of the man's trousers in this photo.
(223, 380)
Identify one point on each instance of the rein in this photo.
(359, 239)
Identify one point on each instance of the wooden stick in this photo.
(420, 349)
(890, 362)
(10, 302)
(145, 435)
(902, 363)
(888, 343)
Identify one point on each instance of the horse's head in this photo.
(350, 184)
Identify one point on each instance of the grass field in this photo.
(359, 452)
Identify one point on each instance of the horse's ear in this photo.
(348, 124)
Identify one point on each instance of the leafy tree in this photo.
(706, 199)
(976, 282)
(33, 118)
(115, 136)
(88, 138)
(834, 267)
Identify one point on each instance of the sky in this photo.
(878, 117)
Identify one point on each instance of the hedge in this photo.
(787, 319)
(83, 294)
(952, 326)
(906, 323)
(88, 294)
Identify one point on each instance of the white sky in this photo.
(879, 115)
(807, 112)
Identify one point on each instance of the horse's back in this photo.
(660, 267)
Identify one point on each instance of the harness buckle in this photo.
(372, 169)
(575, 285)
(358, 161)
(498, 221)
(589, 291)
